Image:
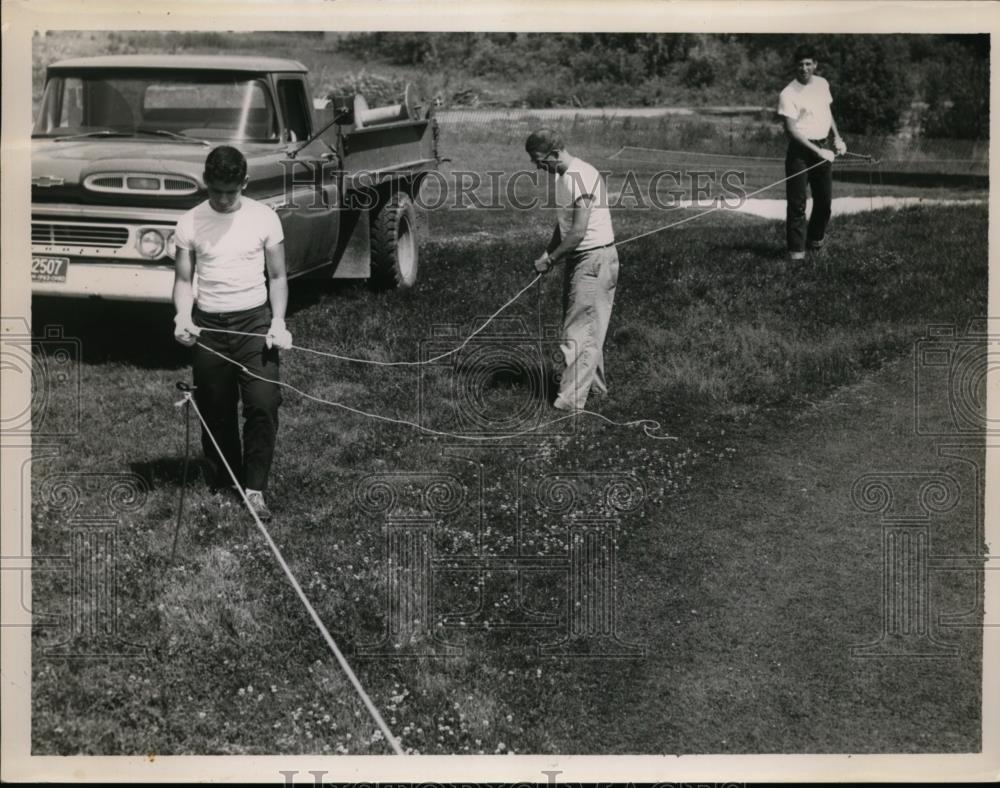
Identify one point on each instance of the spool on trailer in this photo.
(365, 116)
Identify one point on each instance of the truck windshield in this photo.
(208, 107)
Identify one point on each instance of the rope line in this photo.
(649, 426)
(352, 677)
(618, 153)
(721, 206)
(373, 362)
(866, 156)
(355, 360)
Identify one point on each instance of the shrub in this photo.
(699, 73)
(957, 93)
(540, 96)
(377, 89)
(868, 76)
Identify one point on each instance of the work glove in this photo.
(839, 146)
(829, 155)
(278, 336)
(185, 331)
(543, 263)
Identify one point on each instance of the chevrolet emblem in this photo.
(45, 181)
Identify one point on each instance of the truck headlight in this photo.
(151, 244)
(171, 246)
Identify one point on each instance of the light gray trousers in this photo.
(589, 286)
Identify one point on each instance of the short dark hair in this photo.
(805, 51)
(225, 164)
(544, 141)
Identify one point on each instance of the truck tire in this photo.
(394, 243)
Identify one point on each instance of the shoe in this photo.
(814, 246)
(796, 257)
(257, 505)
(561, 404)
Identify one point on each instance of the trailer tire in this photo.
(394, 259)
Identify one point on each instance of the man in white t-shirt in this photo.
(229, 241)
(583, 239)
(804, 106)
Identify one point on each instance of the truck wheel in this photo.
(394, 243)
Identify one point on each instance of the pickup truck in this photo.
(119, 145)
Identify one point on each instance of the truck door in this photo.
(310, 214)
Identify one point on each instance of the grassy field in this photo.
(715, 335)
(744, 571)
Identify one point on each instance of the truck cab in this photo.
(118, 149)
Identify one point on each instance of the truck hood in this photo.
(58, 169)
(73, 160)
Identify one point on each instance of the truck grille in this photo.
(109, 182)
(140, 183)
(78, 235)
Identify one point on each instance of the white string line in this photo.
(416, 363)
(491, 318)
(721, 206)
(649, 426)
(624, 148)
(305, 601)
(619, 152)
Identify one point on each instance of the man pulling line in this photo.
(230, 240)
(804, 105)
(584, 239)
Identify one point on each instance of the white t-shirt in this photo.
(809, 106)
(228, 251)
(580, 180)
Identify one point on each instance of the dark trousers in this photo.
(220, 386)
(798, 233)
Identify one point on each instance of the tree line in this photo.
(937, 85)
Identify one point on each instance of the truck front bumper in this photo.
(116, 281)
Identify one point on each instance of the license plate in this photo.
(49, 269)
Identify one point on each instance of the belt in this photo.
(592, 248)
(819, 142)
(240, 313)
